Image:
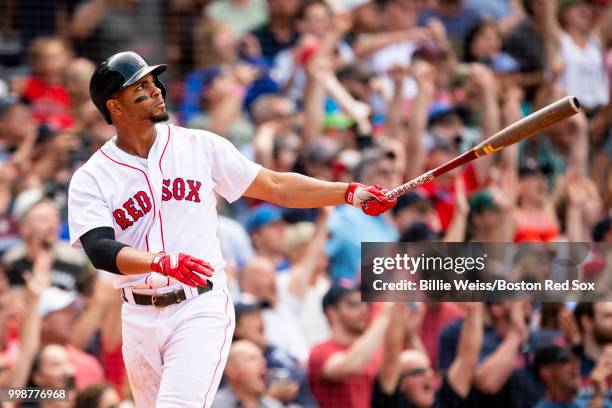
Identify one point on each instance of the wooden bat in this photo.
(516, 132)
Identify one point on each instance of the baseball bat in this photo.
(516, 132)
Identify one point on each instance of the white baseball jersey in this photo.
(165, 202)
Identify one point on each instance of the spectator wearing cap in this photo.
(406, 378)
(39, 224)
(266, 228)
(246, 374)
(559, 370)
(341, 370)
(491, 214)
(535, 218)
(59, 310)
(286, 376)
(258, 278)
(349, 228)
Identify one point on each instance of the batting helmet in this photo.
(118, 72)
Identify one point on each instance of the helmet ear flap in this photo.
(161, 86)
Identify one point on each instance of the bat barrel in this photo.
(518, 131)
(529, 125)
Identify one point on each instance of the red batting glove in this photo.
(182, 267)
(370, 199)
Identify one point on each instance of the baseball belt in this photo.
(166, 299)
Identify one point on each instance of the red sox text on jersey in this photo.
(140, 204)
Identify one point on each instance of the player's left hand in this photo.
(370, 199)
(182, 267)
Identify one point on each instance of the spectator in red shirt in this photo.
(341, 370)
(44, 89)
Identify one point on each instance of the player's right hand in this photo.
(182, 267)
(370, 199)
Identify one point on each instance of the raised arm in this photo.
(493, 373)
(552, 32)
(461, 372)
(491, 116)
(389, 372)
(301, 272)
(354, 360)
(87, 17)
(29, 332)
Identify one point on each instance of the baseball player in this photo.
(143, 208)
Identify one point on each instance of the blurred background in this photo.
(346, 90)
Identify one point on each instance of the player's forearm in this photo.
(132, 262)
(295, 190)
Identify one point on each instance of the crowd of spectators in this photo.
(374, 91)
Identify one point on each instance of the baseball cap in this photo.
(336, 293)
(298, 234)
(25, 201)
(54, 299)
(530, 166)
(481, 201)
(419, 232)
(409, 199)
(551, 354)
(263, 215)
(246, 303)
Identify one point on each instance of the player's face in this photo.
(142, 101)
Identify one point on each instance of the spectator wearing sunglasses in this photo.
(406, 379)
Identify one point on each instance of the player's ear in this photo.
(113, 106)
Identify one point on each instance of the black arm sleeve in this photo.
(102, 249)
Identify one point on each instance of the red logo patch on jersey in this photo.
(180, 189)
(132, 210)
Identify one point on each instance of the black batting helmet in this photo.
(118, 72)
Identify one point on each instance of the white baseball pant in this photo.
(175, 356)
